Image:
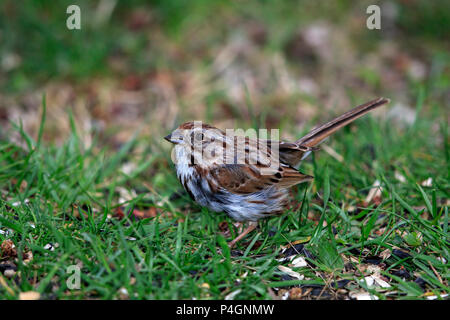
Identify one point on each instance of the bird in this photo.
(246, 177)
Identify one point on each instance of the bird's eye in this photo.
(199, 136)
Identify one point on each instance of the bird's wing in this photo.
(255, 164)
(244, 179)
(292, 153)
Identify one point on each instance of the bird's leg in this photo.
(251, 226)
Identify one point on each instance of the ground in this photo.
(87, 183)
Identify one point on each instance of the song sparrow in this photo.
(247, 178)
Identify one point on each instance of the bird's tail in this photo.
(316, 135)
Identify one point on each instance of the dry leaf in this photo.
(9, 273)
(374, 195)
(369, 281)
(23, 186)
(8, 249)
(298, 262)
(385, 254)
(119, 213)
(291, 272)
(29, 295)
(204, 285)
(138, 214)
(295, 293)
(27, 257)
(375, 280)
(150, 213)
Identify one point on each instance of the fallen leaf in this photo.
(295, 293)
(369, 281)
(23, 186)
(118, 213)
(375, 280)
(27, 257)
(385, 254)
(29, 295)
(150, 213)
(291, 272)
(204, 285)
(298, 262)
(138, 214)
(9, 273)
(374, 195)
(8, 249)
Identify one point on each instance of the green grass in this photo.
(69, 195)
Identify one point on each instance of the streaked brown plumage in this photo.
(244, 177)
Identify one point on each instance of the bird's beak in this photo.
(169, 138)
